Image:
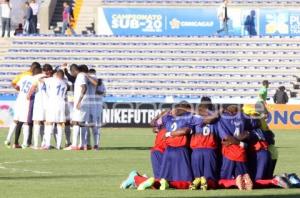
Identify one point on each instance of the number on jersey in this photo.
(60, 90)
(26, 85)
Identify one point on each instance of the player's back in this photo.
(56, 89)
(25, 85)
(80, 80)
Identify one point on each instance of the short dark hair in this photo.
(92, 71)
(206, 103)
(36, 70)
(27, 3)
(74, 66)
(34, 65)
(265, 82)
(47, 67)
(83, 68)
(183, 104)
(60, 72)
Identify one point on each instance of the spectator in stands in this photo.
(19, 30)
(281, 96)
(223, 17)
(67, 19)
(5, 17)
(35, 10)
(261, 104)
(28, 27)
(250, 24)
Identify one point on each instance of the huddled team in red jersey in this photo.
(212, 149)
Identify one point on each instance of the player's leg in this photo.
(197, 168)
(25, 135)
(17, 134)
(209, 169)
(49, 127)
(83, 136)
(75, 134)
(227, 173)
(59, 135)
(11, 131)
(96, 136)
(68, 133)
(36, 133)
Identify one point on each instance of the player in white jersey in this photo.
(16, 127)
(80, 109)
(56, 89)
(40, 103)
(97, 91)
(24, 103)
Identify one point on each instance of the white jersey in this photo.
(40, 99)
(23, 111)
(81, 114)
(80, 80)
(56, 90)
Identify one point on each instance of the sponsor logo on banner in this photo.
(144, 22)
(177, 24)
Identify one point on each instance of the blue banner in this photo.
(196, 21)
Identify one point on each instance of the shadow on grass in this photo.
(45, 177)
(126, 148)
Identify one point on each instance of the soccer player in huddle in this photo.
(38, 89)
(56, 89)
(24, 106)
(16, 126)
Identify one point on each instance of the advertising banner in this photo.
(281, 117)
(280, 22)
(168, 21)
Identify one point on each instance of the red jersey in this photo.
(204, 137)
(160, 141)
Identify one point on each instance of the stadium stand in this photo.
(137, 68)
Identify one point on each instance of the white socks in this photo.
(11, 131)
(36, 134)
(25, 134)
(47, 135)
(76, 130)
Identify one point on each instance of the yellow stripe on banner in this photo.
(284, 116)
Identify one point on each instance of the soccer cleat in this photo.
(7, 143)
(96, 148)
(240, 183)
(35, 147)
(45, 148)
(127, 183)
(247, 181)
(146, 184)
(163, 184)
(281, 182)
(67, 145)
(203, 183)
(294, 180)
(16, 146)
(71, 148)
(89, 147)
(24, 146)
(195, 184)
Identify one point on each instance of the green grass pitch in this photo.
(91, 174)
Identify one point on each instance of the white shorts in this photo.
(56, 114)
(80, 115)
(22, 111)
(39, 111)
